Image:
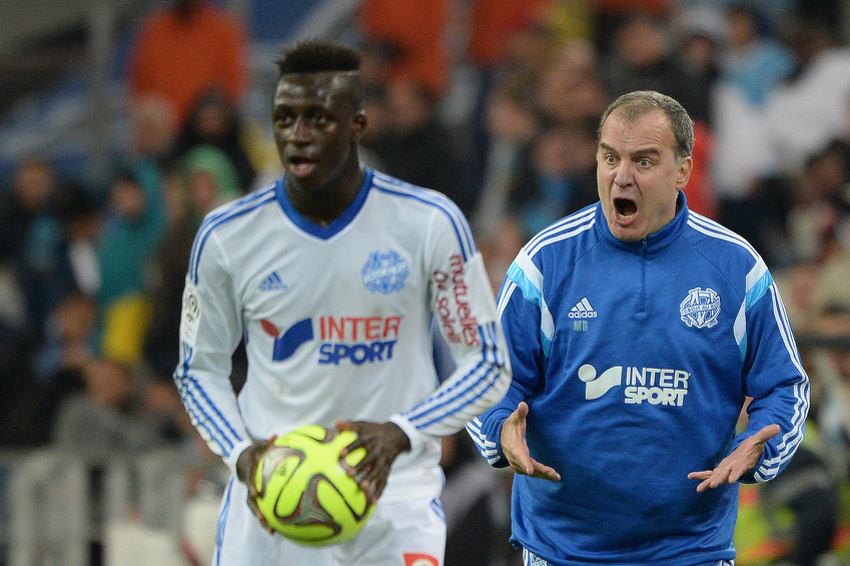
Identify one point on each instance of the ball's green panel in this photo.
(305, 492)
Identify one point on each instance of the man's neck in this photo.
(328, 203)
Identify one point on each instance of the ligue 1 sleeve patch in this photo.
(191, 317)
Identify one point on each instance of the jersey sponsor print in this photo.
(655, 386)
(453, 309)
(354, 339)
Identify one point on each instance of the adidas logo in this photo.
(273, 283)
(583, 310)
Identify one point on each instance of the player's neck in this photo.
(328, 202)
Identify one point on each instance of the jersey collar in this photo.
(654, 241)
(323, 232)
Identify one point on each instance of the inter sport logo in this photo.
(597, 387)
(285, 344)
(358, 340)
(656, 386)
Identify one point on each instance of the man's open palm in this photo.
(743, 459)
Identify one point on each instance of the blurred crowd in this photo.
(494, 103)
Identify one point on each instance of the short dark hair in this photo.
(318, 56)
(634, 105)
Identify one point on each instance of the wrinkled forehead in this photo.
(644, 129)
(322, 88)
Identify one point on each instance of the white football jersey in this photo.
(337, 322)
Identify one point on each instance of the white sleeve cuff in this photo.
(417, 439)
(234, 456)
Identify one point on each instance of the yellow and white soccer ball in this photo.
(305, 493)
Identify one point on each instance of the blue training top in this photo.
(635, 359)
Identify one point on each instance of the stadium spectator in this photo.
(609, 15)
(387, 250)
(543, 149)
(641, 58)
(752, 61)
(107, 417)
(53, 261)
(814, 220)
(174, 55)
(510, 121)
(205, 179)
(418, 149)
(569, 91)
(793, 519)
(153, 130)
(493, 27)
(413, 35)
(215, 122)
(80, 214)
(134, 226)
(753, 64)
(807, 112)
(700, 34)
(632, 389)
(59, 360)
(33, 236)
(557, 179)
(32, 192)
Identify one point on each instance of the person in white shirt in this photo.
(334, 276)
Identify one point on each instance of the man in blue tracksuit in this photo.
(637, 329)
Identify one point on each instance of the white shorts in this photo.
(404, 533)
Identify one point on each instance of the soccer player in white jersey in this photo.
(333, 276)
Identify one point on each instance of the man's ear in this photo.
(685, 169)
(358, 124)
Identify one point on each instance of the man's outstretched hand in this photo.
(515, 448)
(743, 459)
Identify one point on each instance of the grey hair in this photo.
(634, 105)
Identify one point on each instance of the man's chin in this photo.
(628, 233)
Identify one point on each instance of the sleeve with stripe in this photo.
(210, 330)
(773, 374)
(523, 314)
(463, 305)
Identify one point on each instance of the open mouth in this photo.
(626, 208)
(301, 166)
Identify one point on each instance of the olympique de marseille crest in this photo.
(385, 273)
(700, 308)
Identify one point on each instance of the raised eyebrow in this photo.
(647, 152)
(607, 148)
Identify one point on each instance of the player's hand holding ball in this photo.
(301, 485)
(383, 443)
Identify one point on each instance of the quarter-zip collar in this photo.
(654, 241)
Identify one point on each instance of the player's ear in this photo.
(358, 124)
